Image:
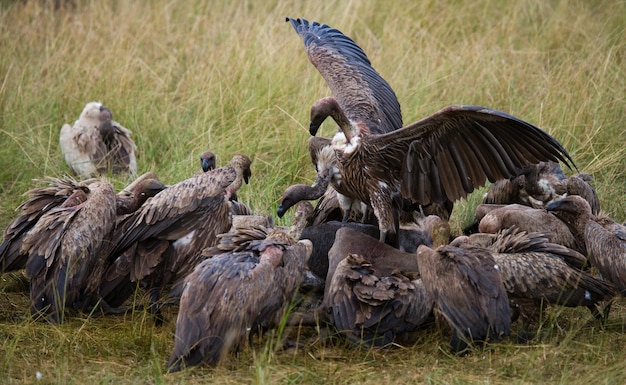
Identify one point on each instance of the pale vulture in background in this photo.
(98, 145)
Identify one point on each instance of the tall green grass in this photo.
(232, 76)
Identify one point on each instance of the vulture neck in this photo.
(300, 218)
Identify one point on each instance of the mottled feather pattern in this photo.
(225, 299)
(468, 291)
(41, 199)
(65, 252)
(204, 189)
(371, 307)
(361, 92)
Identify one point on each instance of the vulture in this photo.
(540, 184)
(65, 253)
(159, 243)
(244, 288)
(207, 161)
(374, 293)
(324, 239)
(137, 193)
(56, 192)
(493, 218)
(66, 235)
(436, 160)
(604, 238)
(98, 145)
(467, 288)
(299, 192)
(536, 271)
(359, 94)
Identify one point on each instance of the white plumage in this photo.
(97, 145)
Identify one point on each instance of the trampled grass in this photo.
(232, 76)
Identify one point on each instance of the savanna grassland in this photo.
(232, 76)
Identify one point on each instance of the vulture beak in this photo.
(313, 127)
(207, 164)
(282, 208)
(562, 205)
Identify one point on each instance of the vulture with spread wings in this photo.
(438, 159)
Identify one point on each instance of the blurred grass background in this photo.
(232, 76)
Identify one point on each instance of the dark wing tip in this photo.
(560, 151)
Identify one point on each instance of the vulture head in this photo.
(105, 126)
(302, 192)
(91, 111)
(573, 210)
(207, 161)
(323, 108)
(242, 162)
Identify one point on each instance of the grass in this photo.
(232, 76)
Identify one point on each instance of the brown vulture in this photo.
(603, 237)
(467, 288)
(159, 243)
(243, 288)
(436, 160)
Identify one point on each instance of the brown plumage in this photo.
(56, 192)
(604, 239)
(467, 289)
(352, 241)
(540, 184)
(441, 158)
(494, 218)
(115, 285)
(65, 254)
(161, 240)
(536, 271)
(324, 159)
(374, 305)
(141, 190)
(235, 294)
(97, 145)
(360, 94)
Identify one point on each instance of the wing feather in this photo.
(360, 91)
(462, 146)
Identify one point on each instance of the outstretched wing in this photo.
(445, 156)
(360, 91)
(170, 213)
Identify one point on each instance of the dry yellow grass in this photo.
(232, 76)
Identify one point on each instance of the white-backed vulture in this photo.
(467, 289)
(436, 160)
(233, 295)
(373, 305)
(540, 184)
(207, 161)
(161, 241)
(493, 218)
(359, 94)
(98, 145)
(65, 254)
(56, 192)
(603, 237)
(536, 271)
